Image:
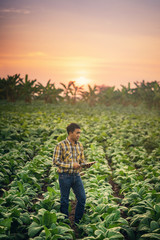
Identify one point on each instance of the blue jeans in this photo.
(66, 182)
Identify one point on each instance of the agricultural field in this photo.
(122, 188)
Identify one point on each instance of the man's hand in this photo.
(76, 165)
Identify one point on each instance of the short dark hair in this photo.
(71, 127)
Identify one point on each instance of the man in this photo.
(69, 158)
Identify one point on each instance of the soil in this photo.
(116, 189)
(71, 218)
(116, 193)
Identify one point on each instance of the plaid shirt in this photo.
(65, 154)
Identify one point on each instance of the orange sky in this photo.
(91, 41)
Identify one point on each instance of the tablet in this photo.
(88, 164)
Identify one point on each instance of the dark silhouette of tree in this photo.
(68, 91)
(106, 95)
(49, 93)
(75, 92)
(90, 96)
(15, 88)
(148, 93)
(28, 89)
(10, 87)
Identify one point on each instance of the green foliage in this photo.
(90, 96)
(46, 226)
(10, 86)
(49, 93)
(68, 91)
(14, 88)
(125, 144)
(27, 89)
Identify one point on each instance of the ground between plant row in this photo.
(116, 194)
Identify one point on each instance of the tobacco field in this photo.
(122, 187)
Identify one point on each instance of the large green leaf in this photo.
(91, 238)
(139, 217)
(64, 230)
(154, 225)
(112, 218)
(99, 232)
(48, 233)
(114, 235)
(151, 236)
(136, 209)
(25, 218)
(6, 222)
(157, 208)
(3, 237)
(129, 232)
(38, 238)
(48, 218)
(34, 229)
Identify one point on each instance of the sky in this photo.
(96, 42)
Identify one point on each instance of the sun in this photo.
(82, 81)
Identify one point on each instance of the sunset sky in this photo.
(109, 42)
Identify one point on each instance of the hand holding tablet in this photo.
(89, 164)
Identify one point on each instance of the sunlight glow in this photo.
(82, 81)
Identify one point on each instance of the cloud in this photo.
(17, 11)
(37, 54)
(22, 56)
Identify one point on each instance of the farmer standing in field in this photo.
(69, 158)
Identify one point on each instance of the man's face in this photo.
(75, 135)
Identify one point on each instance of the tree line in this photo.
(14, 88)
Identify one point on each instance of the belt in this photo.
(69, 174)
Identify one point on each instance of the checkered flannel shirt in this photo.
(65, 154)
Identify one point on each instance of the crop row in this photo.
(102, 219)
(21, 139)
(28, 210)
(30, 207)
(134, 156)
(28, 203)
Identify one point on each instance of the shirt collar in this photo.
(70, 142)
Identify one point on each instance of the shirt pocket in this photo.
(68, 156)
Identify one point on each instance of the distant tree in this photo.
(2, 88)
(101, 88)
(75, 92)
(126, 95)
(90, 96)
(68, 91)
(105, 94)
(28, 89)
(49, 93)
(148, 93)
(10, 87)
(156, 89)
